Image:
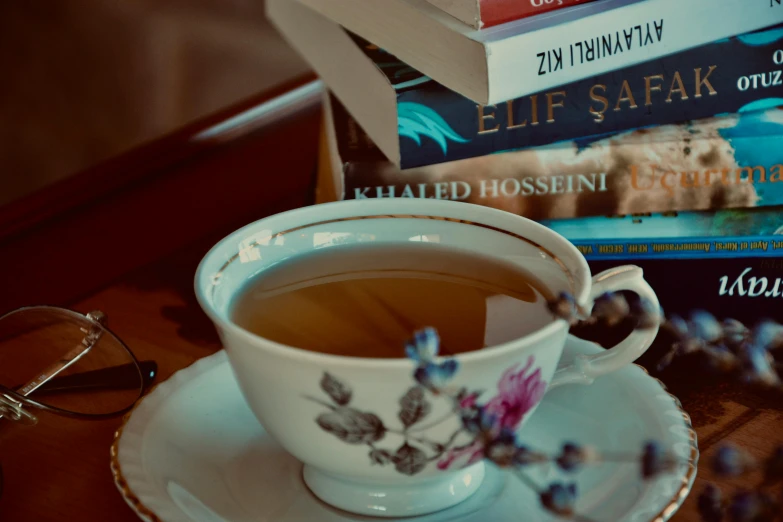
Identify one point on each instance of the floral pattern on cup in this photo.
(518, 392)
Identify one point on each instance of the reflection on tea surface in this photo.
(365, 300)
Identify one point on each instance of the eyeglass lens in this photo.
(66, 361)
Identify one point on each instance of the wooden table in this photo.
(125, 238)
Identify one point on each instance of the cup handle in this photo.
(585, 368)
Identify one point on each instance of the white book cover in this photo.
(542, 52)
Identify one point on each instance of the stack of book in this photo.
(642, 130)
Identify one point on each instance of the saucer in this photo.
(192, 451)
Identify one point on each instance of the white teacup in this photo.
(341, 415)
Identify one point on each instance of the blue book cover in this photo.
(733, 161)
(437, 125)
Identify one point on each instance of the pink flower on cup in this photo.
(518, 392)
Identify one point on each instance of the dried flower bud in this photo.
(746, 506)
(574, 456)
(704, 326)
(680, 329)
(434, 376)
(734, 332)
(564, 307)
(768, 334)
(720, 358)
(610, 307)
(478, 421)
(758, 366)
(424, 346)
(677, 326)
(731, 461)
(502, 449)
(645, 314)
(655, 460)
(559, 499)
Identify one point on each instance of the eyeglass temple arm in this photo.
(124, 376)
(69, 358)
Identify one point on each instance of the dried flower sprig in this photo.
(752, 355)
(494, 440)
(729, 347)
(763, 503)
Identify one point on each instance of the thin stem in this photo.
(407, 436)
(424, 427)
(629, 457)
(425, 440)
(522, 476)
(322, 403)
(618, 457)
(452, 439)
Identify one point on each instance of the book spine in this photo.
(756, 232)
(730, 162)
(540, 60)
(648, 226)
(681, 248)
(727, 76)
(496, 12)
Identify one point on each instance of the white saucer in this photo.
(192, 451)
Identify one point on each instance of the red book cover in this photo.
(486, 13)
(495, 12)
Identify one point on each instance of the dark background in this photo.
(84, 80)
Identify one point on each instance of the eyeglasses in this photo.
(57, 360)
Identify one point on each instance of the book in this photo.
(486, 13)
(731, 161)
(728, 233)
(431, 124)
(729, 262)
(536, 54)
(745, 287)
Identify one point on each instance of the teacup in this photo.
(343, 416)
